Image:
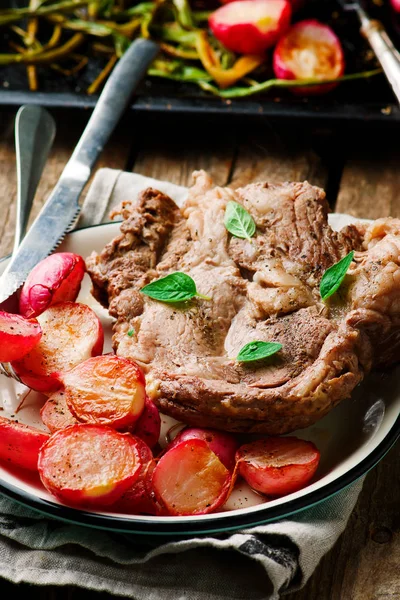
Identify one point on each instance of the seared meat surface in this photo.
(264, 289)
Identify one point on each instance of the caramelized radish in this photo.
(71, 334)
(107, 390)
(309, 50)
(190, 479)
(250, 26)
(148, 425)
(56, 414)
(277, 466)
(17, 336)
(138, 498)
(224, 445)
(57, 278)
(89, 465)
(20, 444)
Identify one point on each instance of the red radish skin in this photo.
(20, 444)
(138, 498)
(295, 4)
(277, 466)
(148, 426)
(57, 278)
(224, 445)
(55, 413)
(190, 479)
(18, 336)
(89, 465)
(106, 390)
(309, 49)
(395, 4)
(72, 333)
(250, 26)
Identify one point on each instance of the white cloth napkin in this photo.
(259, 563)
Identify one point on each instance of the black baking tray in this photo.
(363, 100)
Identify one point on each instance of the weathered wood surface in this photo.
(365, 563)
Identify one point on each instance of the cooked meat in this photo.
(264, 289)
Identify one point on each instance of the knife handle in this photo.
(110, 106)
(385, 52)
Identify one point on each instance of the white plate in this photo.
(352, 438)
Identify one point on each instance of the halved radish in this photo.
(17, 336)
(89, 464)
(20, 444)
(148, 425)
(107, 390)
(71, 334)
(223, 444)
(138, 498)
(190, 479)
(56, 414)
(57, 278)
(309, 49)
(250, 26)
(277, 466)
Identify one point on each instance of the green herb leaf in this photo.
(238, 221)
(131, 332)
(257, 351)
(333, 277)
(176, 287)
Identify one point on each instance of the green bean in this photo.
(242, 92)
(16, 14)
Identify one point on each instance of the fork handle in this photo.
(386, 53)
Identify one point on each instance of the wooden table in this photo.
(359, 169)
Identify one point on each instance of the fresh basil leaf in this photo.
(176, 287)
(257, 350)
(333, 277)
(131, 332)
(238, 221)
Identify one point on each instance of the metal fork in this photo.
(34, 135)
(380, 43)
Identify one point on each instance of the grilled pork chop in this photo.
(264, 289)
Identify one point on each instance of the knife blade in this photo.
(62, 208)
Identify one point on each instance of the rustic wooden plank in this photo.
(371, 188)
(115, 155)
(267, 154)
(365, 563)
(165, 152)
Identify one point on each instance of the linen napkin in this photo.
(259, 563)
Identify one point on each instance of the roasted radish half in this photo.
(56, 414)
(17, 336)
(57, 278)
(71, 334)
(190, 479)
(20, 444)
(308, 50)
(89, 464)
(224, 445)
(148, 425)
(138, 498)
(250, 26)
(277, 466)
(107, 390)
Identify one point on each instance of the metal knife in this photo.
(61, 209)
